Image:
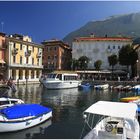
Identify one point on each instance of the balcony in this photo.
(3, 46)
(38, 54)
(15, 51)
(28, 53)
(3, 66)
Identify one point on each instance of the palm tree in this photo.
(113, 60)
(128, 56)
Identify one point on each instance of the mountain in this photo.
(124, 25)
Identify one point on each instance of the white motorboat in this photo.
(61, 81)
(8, 101)
(118, 120)
(23, 116)
(103, 86)
(136, 88)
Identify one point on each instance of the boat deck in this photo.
(102, 135)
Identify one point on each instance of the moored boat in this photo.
(136, 88)
(114, 122)
(61, 81)
(102, 86)
(23, 116)
(84, 86)
(8, 101)
(129, 99)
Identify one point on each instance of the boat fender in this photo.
(108, 127)
(84, 116)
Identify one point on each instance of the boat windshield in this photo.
(51, 75)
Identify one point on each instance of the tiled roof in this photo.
(102, 39)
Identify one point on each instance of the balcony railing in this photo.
(38, 54)
(3, 66)
(28, 53)
(3, 46)
(15, 51)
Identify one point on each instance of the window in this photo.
(14, 59)
(37, 74)
(49, 57)
(37, 61)
(33, 48)
(55, 48)
(20, 59)
(32, 74)
(119, 47)
(59, 76)
(113, 47)
(20, 46)
(55, 57)
(32, 61)
(108, 46)
(14, 45)
(27, 59)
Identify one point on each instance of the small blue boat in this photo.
(23, 116)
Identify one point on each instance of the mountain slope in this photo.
(125, 25)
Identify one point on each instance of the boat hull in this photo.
(10, 126)
(61, 85)
(129, 99)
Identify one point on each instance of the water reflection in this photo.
(30, 133)
(29, 93)
(68, 106)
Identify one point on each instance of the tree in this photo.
(128, 57)
(74, 64)
(98, 64)
(83, 62)
(113, 60)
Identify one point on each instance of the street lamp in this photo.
(137, 74)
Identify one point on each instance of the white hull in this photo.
(61, 84)
(103, 87)
(16, 125)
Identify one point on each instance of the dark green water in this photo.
(67, 105)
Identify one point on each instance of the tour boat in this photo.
(117, 120)
(8, 101)
(61, 81)
(23, 116)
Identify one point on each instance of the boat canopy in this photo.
(24, 110)
(114, 109)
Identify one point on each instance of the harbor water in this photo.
(67, 104)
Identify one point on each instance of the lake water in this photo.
(68, 106)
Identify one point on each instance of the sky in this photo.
(47, 20)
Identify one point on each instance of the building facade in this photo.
(98, 48)
(3, 65)
(56, 55)
(24, 59)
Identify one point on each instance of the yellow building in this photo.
(24, 59)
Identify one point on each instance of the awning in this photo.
(2, 61)
(114, 109)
